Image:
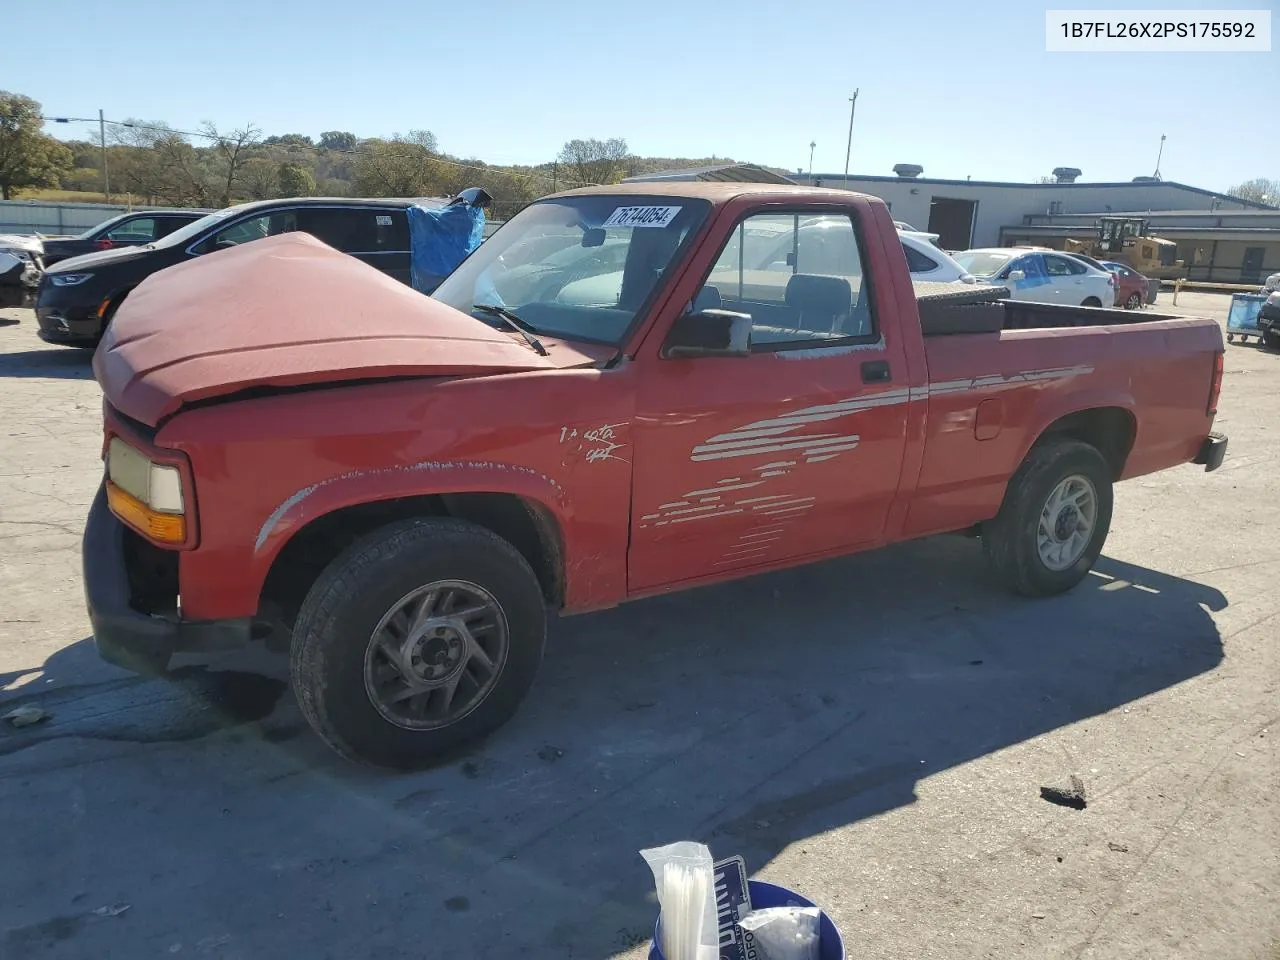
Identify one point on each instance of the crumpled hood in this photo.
(288, 311)
(14, 241)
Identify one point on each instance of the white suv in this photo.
(927, 262)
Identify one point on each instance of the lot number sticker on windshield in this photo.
(642, 216)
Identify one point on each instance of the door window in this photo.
(142, 230)
(166, 225)
(254, 228)
(800, 278)
(1058, 267)
(917, 262)
(357, 229)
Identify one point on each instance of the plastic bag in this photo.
(783, 933)
(440, 238)
(683, 877)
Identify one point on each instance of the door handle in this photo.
(876, 371)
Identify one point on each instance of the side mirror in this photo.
(1016, 275)
(709, 333)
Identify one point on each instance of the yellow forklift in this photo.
(1124, 240)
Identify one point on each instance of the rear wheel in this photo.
(1134, 302)
(1271, 340)
(417, 640)
(1091, 302)
(1054, 519)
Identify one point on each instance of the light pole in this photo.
(1159, 156)
(853, 105)
(812, 144)
(102, 142)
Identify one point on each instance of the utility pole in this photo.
(853, 105)
(102, 142)
(1159, 156)
(812, 144)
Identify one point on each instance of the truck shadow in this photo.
(750, 716)
(61, 363)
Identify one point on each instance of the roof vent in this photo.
(1065, 174)
(908, 171)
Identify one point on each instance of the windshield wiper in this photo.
(515, 323)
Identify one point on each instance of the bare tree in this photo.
(232, 150)
(595, 161)
(259, 180)
(186, 182)
(1259, 190)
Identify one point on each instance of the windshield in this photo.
(982, 263)
(184, 235)
(582, 268)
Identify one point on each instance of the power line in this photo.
(552, 179)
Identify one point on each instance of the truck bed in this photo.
(947, 311)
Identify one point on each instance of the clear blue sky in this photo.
(965, 89)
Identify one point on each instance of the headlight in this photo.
(145, 494)
(68, 279)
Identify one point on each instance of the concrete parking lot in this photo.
(872, 732)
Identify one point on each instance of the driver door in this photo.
(1035, 285)
(792, 451)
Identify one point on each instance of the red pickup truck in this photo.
(625, 391)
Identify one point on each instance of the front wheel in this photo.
(1091, 302)
(1054, 520)
(1271, 340)
(417, 640)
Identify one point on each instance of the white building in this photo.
(972, 213)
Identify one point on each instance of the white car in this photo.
(1041, 276)
(1272, 283)
(927, 262)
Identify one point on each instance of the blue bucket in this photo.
(830, 945)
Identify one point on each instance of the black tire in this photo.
(335, 627)
(1271, 340)
(1010, 541)
(1091, 302)
(1134, 302)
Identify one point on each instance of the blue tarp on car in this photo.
(440, 238)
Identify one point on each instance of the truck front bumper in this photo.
(1212, 450)
(123, 634)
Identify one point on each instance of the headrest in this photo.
(809, 292)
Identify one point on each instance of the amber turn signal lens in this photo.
(162, 527)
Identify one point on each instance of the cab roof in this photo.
(716, 191)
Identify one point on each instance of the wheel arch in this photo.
(1110, 428)
(528, 524)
